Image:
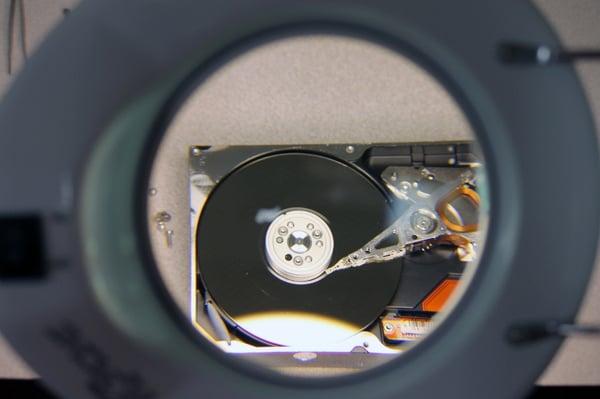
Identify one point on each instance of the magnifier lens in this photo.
(316, 205)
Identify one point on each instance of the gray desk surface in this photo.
(308, 88)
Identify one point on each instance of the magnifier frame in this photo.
(84, 109)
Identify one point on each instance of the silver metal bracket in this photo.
(544, 55)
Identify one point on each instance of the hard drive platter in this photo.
(301, 196)
(333, 248)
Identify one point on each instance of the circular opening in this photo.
(317, 205)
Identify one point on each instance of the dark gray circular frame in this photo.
(77, 120)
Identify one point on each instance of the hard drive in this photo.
(331, 248)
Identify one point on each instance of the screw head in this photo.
(298, 261)
(163, 216)
(350, 149)
(388, 327)
(317, 234)
(282, 230)
(543, 54)
(279, 240)
(299, 241)
(423, 222)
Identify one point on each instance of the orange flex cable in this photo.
(444, 202)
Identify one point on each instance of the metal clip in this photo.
(542, 55)
(529, 332)
(161, 219)
(170, 234)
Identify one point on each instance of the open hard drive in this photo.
(343, 250)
